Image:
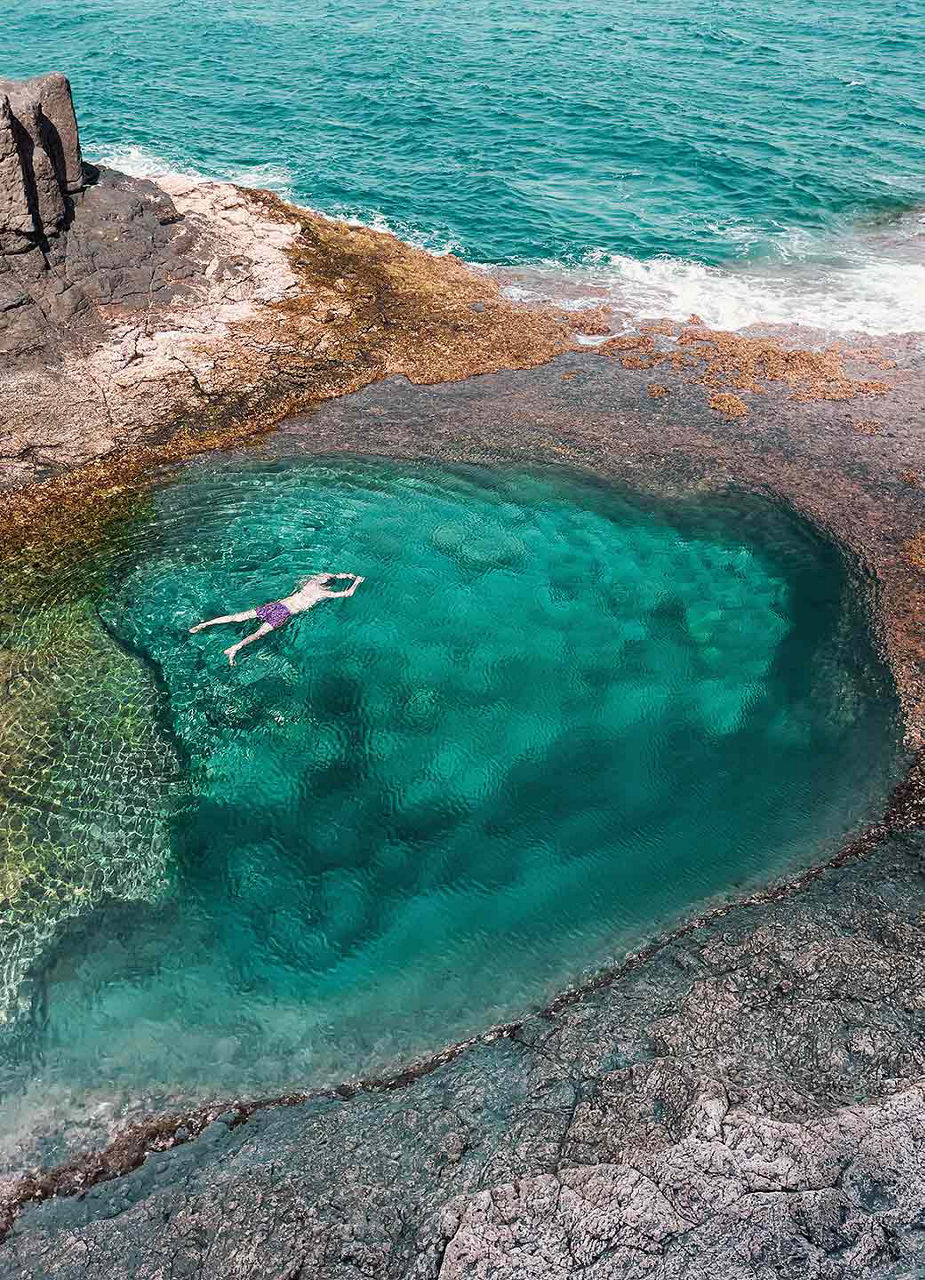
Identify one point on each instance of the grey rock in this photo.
(40, 160)
(123, 246)
(48, 98)
(46, 194)
(60, 133)
(16, 222)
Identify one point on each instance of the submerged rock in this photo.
(746, 1102)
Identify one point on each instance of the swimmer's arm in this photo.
(350, 590)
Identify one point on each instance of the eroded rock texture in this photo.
(750, 1102)
(73, 242)
(40, 161)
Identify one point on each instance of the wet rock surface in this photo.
(750, 1101)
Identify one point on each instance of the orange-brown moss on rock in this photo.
(626, 342)
(729, 405)
(592, 322)
(727, 363)
(370, 306)
(737, 362)
(915, 551)
(634, 361)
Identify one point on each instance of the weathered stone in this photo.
(16, 222)
(40, 160)
(61, 136)
(42, 182)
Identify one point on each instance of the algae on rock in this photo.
(84, 824)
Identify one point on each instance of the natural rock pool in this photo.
(555, 717)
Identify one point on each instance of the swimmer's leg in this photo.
(226, 617)
(261, 631)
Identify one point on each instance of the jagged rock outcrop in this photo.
(73, 240)
(40, 162)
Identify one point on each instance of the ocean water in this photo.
(746, 161)
(554, 717)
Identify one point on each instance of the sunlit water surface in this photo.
(553, 718)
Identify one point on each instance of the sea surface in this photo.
(744, 161)
(553, 719)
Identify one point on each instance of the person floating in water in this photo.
(276, 615)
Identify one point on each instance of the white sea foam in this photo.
(139, 162)
(431, 241)
(872, 282)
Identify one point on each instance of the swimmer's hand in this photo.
(229, 653)
(342, 595)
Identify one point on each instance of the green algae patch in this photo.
(86, 773)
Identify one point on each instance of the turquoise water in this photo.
(633, 146)
(553, 717)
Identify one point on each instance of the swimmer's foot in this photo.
(229, 654)
(198, 627)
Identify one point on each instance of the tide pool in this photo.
(554, 718)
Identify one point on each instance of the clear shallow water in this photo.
(552, 718)
(614, 149)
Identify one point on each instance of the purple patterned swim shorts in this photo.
(275, 615)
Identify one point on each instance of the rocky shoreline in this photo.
(745, 1097)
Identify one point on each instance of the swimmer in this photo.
(277, 614)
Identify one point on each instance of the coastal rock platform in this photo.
(743, 1098)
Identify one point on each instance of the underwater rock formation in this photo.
(746, 1102)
